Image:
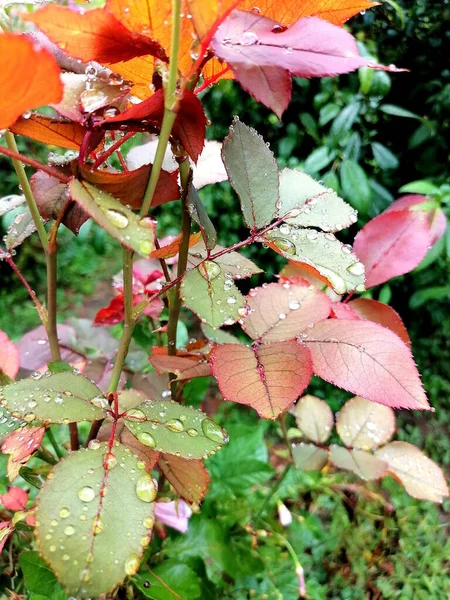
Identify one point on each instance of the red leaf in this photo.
(111, 314)
(15, 499)
(185, 367)
(9, 356)
(22, 443)
(280, 312)
(24, 88)
(129, 187)
(380, 313)
(50, 131)
(392, 244)
(436, 217)
(93, 35)
(189, 127)
(35, 349)
(189, 478)
(368, 360)
(263, 60)
(269, 378)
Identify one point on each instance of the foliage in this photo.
(118, 80)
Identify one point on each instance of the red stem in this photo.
(210, 81)
(32, 293)
(36, 165)
(101, 159)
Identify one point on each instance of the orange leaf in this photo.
(184, 367)
(51, 131)
(22, 87)
(207, 14)
(174, 247)
(189, 478)
(94, 35)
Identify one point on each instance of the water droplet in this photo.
(294, 304)
(149, 522)
(64, 513)
(115, 79)
(285, 229)
(214, 432)
(346, 249)
(249, 38)
(146, 438)
(285, 246)
(356, 268)
(174, 425)
(210, 270)
(231, 300)
(146, 247)
(59, 399)
(69, 530)
(282, 316)
(278, 28)
(94, 445)
(192, 432)
(110, 461)
(131, 564)
(117, 218)
(29, 417)
(100, 401)
(135, 413)
(86, 494)
(146, 489)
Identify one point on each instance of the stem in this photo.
(175, 304)
(15, 155)
(41, 310)
(45, 456)
(276, 484)
(25, 187)
(54, 443)
(103, 157)
(170, 94)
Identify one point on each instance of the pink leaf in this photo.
(436, 217)
(9, 356)
(35, 349)
(22, 443)
(185, 367)
(392, 244)
(281, 312)
(266, 377)
(368, 360)
(263, 55)
(380, 313)
(15, 499)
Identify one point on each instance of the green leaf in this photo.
(308, 457)
(420, 297)
(169, 581)
(59, 398)
(211, 295)
(314, 418)
(398, 111)
(384, 157)
(318, 206)
(200, 216)
(8, 423)
(420, 187)
(318, 160)
(132, 231)
(253, 173)
(218, 335)
(39, 578)
(308, 122)
(355, 185)
(365, 465)
(233, 264)
(322, 251)
(365, 75)
(328, 112)
(94, 518)
(344, 121)
(20, 229)
(175, 429)
(59, 366)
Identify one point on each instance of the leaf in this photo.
(368, 360)
(52, 196)
(345, 120)
(9, 356)
(8, 424)
(331, 260)
(278, 312)
(174, 429)
(318, 206)
(35, 350)
(132, 231)
(189, 478)
(318, 160)
(21, 444)
(392, 244)
(384, 157)
(59, 398)
(173, 248)
(20, 229)
(14, 499)
(314, 418)
(268, 377)
(365, 465)
(365, 425)
(92, 499)
(168, 580)
(24, 88)
(421, 186)
(436, 217)
(420, 297)
(184, 367)
(200, 216)
(232, 263)
(38, 577)
(308, 457)
(211, 295)
(398, 111)
(129, 187)
(218, 335)
(206, 13)
(366, 308)
(51, 131)
(263, 60)
(99, 36)
(9, 203)
(355, 185)
(420, 476)
(253, 173)
(189, 126)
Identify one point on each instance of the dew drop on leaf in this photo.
(64, 513)
(146, 438)
(86, 494)
(192, 432)
(356, 268)
(294, 304)
(117, 218)
(285, 245)
(69, 530)
(212, 270)
(149, 522)
(135, 413)
(94, 445)
(131, 565)
(214, 432)
(145, 488)
(175, 425)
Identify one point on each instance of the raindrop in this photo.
(278, 28)
(146, 438)
(146, 489)
(115, 79)
(166, 394)
(100, 401)
(346, 249)
(86, 494)
(149, 522)
(94, 445)
(294, 304)
(135, 413)
(356, 268)
(214, 432)
(192, 432)
(285, 229)
(210, 270)
(285, 246)
(69, 530)
(116, 217)
(146, 247)
(64, 513)
(131, 565)
(175, 425)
